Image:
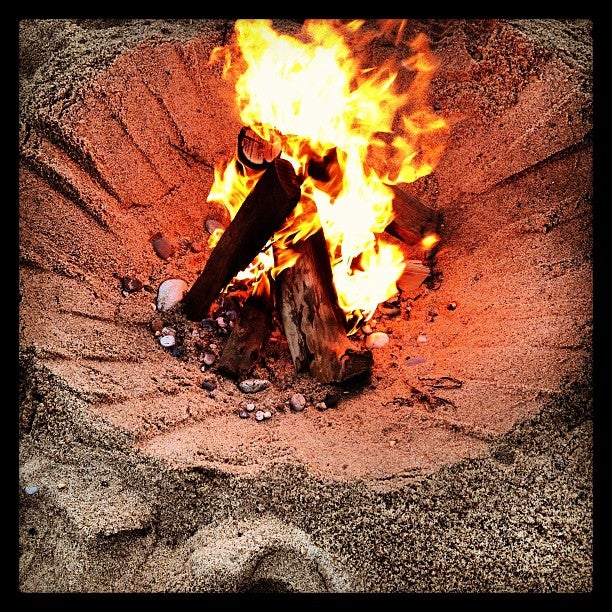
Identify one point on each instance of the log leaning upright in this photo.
(262, 213)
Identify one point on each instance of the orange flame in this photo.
(313, 91)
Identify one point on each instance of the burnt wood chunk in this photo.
(251, 331)
(413, 277)
(313, 322)
(262, 213)
(254, 151)
(412, 218)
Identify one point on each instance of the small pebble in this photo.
(297, 402)
(267, 414)
(422, 339)
(167, 341)
(209, 359)
(392, 443)
(221, 322)
(452, 306)
(253, 385)
(367, 329)
(212, 225)
(208, 325)
(61, 484)
(209, 385)
(157, 324)
(259, 415)
(377, 340)
(250, 407)
(243, 414)
(321, 406)
(162, 247)
(413, 361)
(168, 331)
(170, 293)
(130, 284)
(31, 490)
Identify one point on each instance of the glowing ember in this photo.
(315, 94)
(429, 241)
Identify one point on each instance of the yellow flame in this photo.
(313, 91)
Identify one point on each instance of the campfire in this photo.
(322, 229)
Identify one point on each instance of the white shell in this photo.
(170, 293)
(167, 341)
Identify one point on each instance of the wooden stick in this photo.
(313, 323)
(248, 337)
(262, 213)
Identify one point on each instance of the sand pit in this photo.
(462, 463)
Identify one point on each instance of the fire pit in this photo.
(213, 369)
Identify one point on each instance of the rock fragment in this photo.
(170, 293)
(162, 247)
(253, 385)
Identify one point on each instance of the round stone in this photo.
(162, 247)
(259, 415)
(377, 340)
(297, 402)
(209, 385)
(170, 293)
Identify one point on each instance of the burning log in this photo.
(254, 151)
(249, 335)
(262, 213)
(413, 219)
(313, 323)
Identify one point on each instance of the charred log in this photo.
(251, 331)
(313, 323)
(256, 152)
(262, 213)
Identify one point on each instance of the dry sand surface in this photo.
(462, 464)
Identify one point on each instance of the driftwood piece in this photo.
(313, 323)
(262, 213)
(250, 333)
